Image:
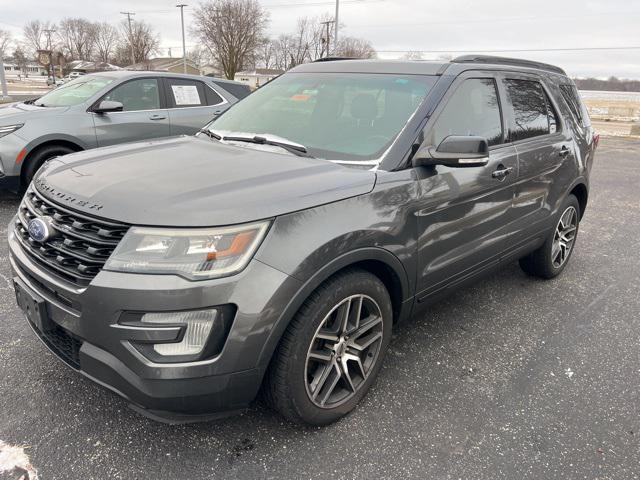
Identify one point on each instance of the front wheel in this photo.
(549, 260)
(39, 157)
(332, 351)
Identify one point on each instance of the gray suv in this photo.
(275, 250)
(104, 109)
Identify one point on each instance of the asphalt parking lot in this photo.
(513, 378)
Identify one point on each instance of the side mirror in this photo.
(107, 106)
(454, 151)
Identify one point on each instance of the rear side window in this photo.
(186, 93)
(531, 109)
(472, 110)
(238, 90)
(571, 96)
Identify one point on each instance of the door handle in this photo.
(502, 172)
(157, 117)
(564, 151)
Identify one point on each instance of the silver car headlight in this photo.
(7, 129)
(196, 254)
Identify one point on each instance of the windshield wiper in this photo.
(210, 134)
(289, 146)
(296, 149)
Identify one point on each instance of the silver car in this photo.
(103, 109)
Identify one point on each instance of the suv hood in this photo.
(21, 112)
(194, 181)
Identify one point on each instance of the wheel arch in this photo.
(581, 192)
(34, 149)
(379, 262)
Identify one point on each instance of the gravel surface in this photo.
(513, 378)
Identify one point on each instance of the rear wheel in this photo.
(332, 351)
(551, 258)
(37, 159)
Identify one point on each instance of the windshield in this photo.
(336, 116)
(75, 92)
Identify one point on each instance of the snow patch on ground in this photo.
(14, 461)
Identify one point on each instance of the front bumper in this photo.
(87, 336)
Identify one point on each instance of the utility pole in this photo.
(129, 14)
(3, 80)
(48, 32)
(337, 27)
(326, 24)
(184, 48)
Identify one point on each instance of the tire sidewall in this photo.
(353, 284)
(39, 159)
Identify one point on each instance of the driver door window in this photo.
(136, 95)
(473, 109)
(143, 116)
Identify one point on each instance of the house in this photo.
(257, 77)
(211, 70)
(167, 64)
(32, 68)
(90, 67)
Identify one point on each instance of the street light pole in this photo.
(336, 28)
(129, 14)
(184, 48)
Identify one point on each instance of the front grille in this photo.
(82, 247)
(63, 344)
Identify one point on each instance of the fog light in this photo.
(198, 327)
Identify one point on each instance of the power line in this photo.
(487, 21)
(569, 49)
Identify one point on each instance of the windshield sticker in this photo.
(186, 94)
(300, 97)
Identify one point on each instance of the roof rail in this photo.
(507, 61)
(334, 59)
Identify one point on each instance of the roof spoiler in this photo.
(517, 62)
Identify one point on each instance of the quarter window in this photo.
(571, 96)
(473, 109)
(531, 115)
(142, 94)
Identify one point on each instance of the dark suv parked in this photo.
(276, 249)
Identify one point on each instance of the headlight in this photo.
(196, 254)
(7, 129)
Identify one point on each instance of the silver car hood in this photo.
(195, 181)
(21, 112)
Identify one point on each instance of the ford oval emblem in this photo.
(41, 229)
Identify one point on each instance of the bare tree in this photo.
(106, 38)
(5, 42)
(198, 56)
(35, 37)
(141, 39)
(355, 48)
(267, 53)
(77, 37)
(232, 31)
(21, 60)
(413, 55)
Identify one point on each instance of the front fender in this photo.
(320, 276)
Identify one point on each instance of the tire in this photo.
(37, 159)
(294, 383)
(551, 258)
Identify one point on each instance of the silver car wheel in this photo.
(564, 237)
(343, 351)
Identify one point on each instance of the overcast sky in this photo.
(395, 26)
